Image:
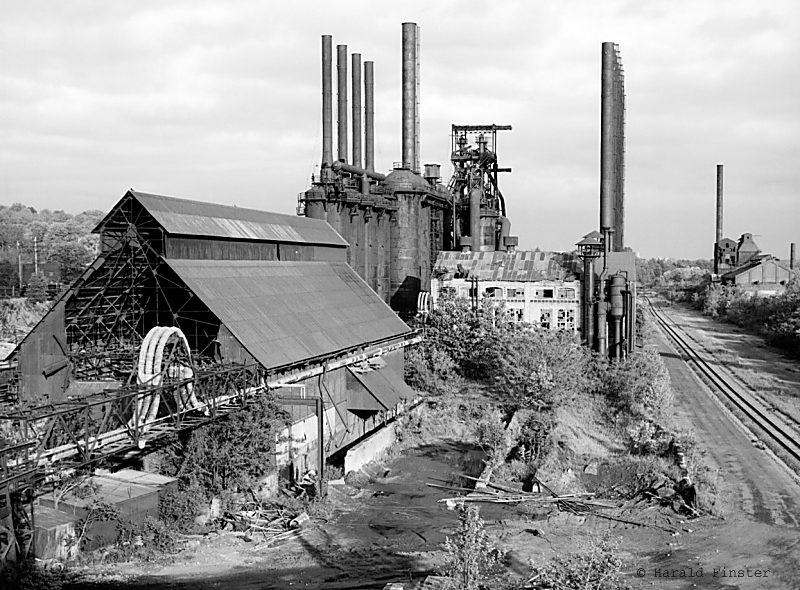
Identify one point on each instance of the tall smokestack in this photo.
(369, 116)
(341, 72)
(792, 256)
(357, 158)
(327, 101)
(607, 180)
(718, 234)
(409, 94)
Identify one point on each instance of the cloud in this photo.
(221, 101)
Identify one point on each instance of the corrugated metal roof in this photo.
(185, 217)
(520, 265)
(284, 312)
(384, 386)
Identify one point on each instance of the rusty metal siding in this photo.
(509, 266)
(209, 249)
(284, 312)
(39, 350)
(195, 218)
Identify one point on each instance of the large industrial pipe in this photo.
(409, 93)
(357, 158)
(358, 171)
(341, 72)
(327, 101)
(475, 218)
(369, 116)
(718, 235)
(588, 302)
(607, 178)
(792, 256)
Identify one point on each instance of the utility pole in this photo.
(19, 263)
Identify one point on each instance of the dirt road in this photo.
(760, 532)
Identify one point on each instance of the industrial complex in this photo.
(191, 309)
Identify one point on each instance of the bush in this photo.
(37, 289)
(597, 568)
(473, 561)
(232, 453)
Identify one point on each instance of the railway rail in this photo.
(777, 431)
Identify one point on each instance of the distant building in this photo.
(762, 275)
(538, 288)
(732, 254)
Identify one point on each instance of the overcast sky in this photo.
(220, 101)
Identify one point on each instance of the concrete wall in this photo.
(371, 448)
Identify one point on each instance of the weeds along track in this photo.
(777, 431)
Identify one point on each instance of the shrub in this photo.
(473, 561)
(597, 568)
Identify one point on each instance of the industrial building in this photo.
(190, 310)
(538, 288)
(741, 263)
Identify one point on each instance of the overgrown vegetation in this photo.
(473, 561)
(596, 568)
(225, 460)
(776, 318)
(59, 237)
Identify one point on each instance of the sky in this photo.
(220, 102)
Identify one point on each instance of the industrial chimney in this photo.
(341, 73)
(356, 92)
(327, 101)
(369, 116)
(410, 102)
(612, 149)
(792, 256)
(718, 239)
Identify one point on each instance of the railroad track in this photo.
(756, 413)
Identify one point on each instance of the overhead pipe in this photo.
(409, 76)
(327, 101)
(718, 236)
(356, 66)
(358, 171)
(341, 72)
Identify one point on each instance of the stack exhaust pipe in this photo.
(369, 116)
(327, 101)
(718, 235)
(356, 93)
(410, 96)
(341, 71)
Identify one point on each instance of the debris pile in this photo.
(268, 523)
(681, 496)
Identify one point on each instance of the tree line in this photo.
(53, 236)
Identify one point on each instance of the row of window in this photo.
(511, 293)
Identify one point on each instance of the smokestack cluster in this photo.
(363, 146)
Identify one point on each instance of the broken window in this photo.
(562, 319)
(520, 315)
(546, 318)
(547, 293)
(494, 292)
(566, 293)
